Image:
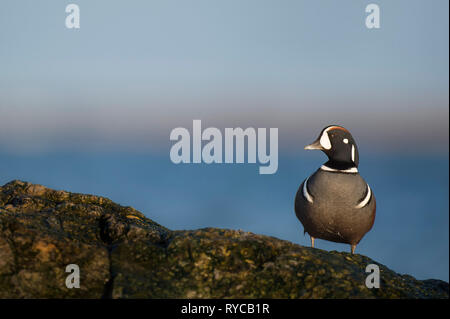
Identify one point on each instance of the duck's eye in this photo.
(345, 141)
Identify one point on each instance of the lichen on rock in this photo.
(123, 254)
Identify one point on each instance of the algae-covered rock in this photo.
(123, 254)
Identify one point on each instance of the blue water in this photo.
(410, 235)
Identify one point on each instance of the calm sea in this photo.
(410, 235)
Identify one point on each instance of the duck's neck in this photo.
(340, 166)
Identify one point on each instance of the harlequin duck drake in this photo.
(335, 203)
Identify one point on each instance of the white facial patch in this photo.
(325, 140)
(345, 141)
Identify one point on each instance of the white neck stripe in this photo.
(348, 170)
(353, 153)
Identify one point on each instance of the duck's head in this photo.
(338, 144)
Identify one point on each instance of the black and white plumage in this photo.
(335, 203)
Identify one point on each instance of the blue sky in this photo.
(137, 69)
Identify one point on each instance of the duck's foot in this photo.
(312, 241)
(353, 248)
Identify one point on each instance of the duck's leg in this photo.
(312, 241)
(353, 248)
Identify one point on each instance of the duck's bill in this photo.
(314, 146)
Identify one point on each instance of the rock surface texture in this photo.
(123, 254)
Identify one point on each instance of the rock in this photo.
(123, 254)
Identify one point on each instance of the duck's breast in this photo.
(336, 206)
